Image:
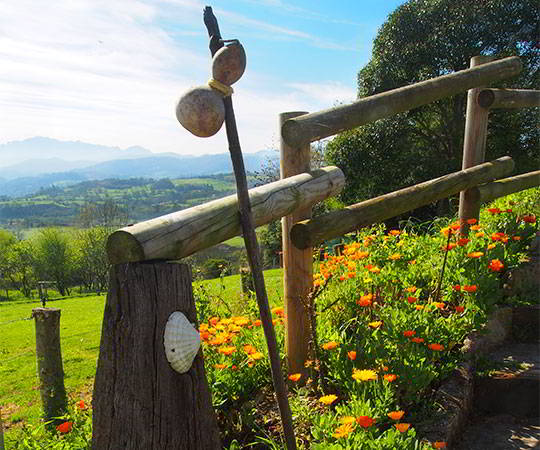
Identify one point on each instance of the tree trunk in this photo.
(140, 402)
(49, 362)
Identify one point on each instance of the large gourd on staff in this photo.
(200, 110)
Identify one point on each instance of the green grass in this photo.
(80, 333)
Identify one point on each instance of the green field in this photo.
(80, 332)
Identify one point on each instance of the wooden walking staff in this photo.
(202, 112)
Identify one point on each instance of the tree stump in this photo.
(140, 402)
(49, 362)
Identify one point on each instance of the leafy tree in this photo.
(55, 258)
(20, 266)
(7, 239)
(91, 264)
(105, 214)
(423, 39)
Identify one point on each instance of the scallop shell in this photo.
(181, 341)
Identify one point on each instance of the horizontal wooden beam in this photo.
(318, 125)
(508, 98)
(185, 232)
(337, 223)
(507, 186)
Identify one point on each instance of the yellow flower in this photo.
(256, 356)
(376, 324)
(364, 374)
(348, 419)
(394, 256)
(328, 399)
(344, 430)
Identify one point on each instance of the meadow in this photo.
(389, 312)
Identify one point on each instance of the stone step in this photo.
(513, 385)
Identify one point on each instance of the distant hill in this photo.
(39, 163)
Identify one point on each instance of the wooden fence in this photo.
(139, 401)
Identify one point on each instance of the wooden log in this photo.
(139, 401)
(508, 98)
(337, 223)
(318, 125)
(474, 147)
(183, 233)
(506, 186)
(49, 362)
(297, 264)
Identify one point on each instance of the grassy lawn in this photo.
(80, 332)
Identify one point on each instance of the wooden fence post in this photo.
(297, 264)
(49, 362)
(139, 401)
(1, 432)
(474, 147)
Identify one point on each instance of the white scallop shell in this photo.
(181, 341)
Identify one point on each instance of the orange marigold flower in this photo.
(342, 278)
(330, 345)
(448, 247)
(227, 350)
(476, 227)
(375, 324)
(475, 254)
(257, 323)
(81, 404)
(411, 289)
(351, 274)
(471, 221)
(64, 427)
(496, 265)
(256, 356)
(439, 444)
(375, 270)
(364, 375)
(328, 399)
(214, 320)
(419, 307)
(463, 241)
(529, 218)
(460, 308)
(344, 430)
(248, 348)
(516, 238)
(402, 427)
(220, 366)
(498, 236)
(412, 261)
(480, 234)
(365, 300)
(278, 310)
(412, 299)
(436, 347)
(365, 421)
(455, 226)
(396, 415)
(439, 305)
(409, 333)
(470, 288)
(295, 376)
(394, 232)
(351, 355)
(390, 377)
(494, 210)
(395, 256)
(446, 231)
(456, 287)
(417, 340)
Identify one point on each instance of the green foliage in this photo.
(215, 268)
(423, 39)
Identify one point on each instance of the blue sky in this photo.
(110, 71)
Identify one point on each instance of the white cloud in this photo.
(109, 72)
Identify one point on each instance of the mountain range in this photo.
(29, 165)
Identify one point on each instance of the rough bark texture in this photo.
(297, 264)
(49, 362)
(139, 401)
(321, 124)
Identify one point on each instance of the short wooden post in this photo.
(49, 362)
(1, 432)
(297, 264)
(139, 401)
(474, 146)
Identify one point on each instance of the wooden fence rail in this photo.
(508, 98)
(337, 223)
(183, 233)
(318, 125)
(507, 186)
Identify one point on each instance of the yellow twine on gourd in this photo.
(219, 86)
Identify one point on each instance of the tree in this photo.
(423, 39)
(7, 239)
(20, 266)
(92, 266)
(107, 214)
(55, 258)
